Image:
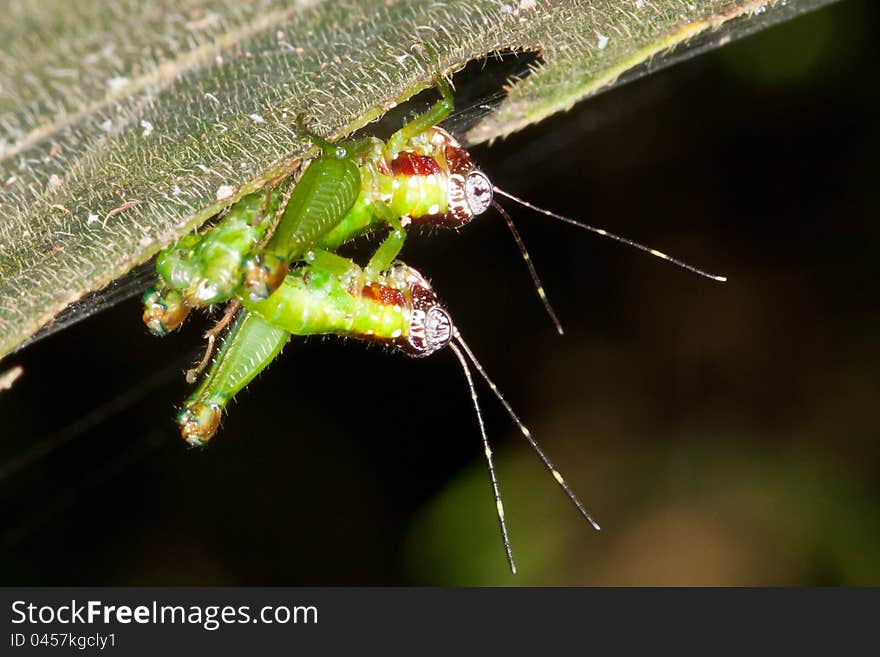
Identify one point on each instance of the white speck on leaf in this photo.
(117, 83)
(148, 128)
(224, 192)
(206, 22)
(603, 41)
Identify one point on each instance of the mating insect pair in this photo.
(420, 176)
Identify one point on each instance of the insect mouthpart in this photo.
(430, 326)
(478, 191)
(439, 328)
(430, 330)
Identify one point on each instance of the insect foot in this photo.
(264, 273)
(164, 310)
(198, 422)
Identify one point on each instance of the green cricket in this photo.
(276, 265)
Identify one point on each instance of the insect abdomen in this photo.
(312, 302)
(416, 188)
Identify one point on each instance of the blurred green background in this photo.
(721, 434)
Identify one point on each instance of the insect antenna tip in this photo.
(463, 349)
(604, 233)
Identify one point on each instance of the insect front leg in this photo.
(334, 149)
(434, 115)
(390, 247)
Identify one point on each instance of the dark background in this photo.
(722, 434)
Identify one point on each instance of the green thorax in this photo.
(413, 186)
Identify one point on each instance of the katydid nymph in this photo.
(420, 176)
(397, 307)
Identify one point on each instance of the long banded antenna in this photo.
(488, 452)
(539, 287)
(616, 238)
(523, 429)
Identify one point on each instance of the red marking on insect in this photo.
(387, 296)
(411, 164)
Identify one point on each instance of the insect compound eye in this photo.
(478, 191)
(438, 329)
